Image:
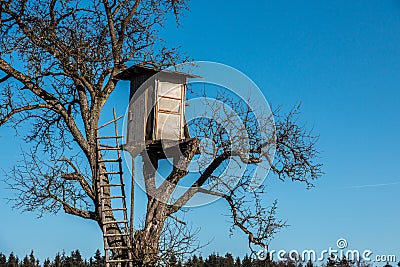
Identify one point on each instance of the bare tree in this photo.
(59, 59)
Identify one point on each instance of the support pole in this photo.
(132, 219)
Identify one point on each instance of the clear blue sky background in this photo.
(341, 59)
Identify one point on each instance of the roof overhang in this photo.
(139, 70)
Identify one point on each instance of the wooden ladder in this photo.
(116, 193)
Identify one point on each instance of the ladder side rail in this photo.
(127, 228)
(102, 205)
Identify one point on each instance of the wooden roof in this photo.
(139, 70)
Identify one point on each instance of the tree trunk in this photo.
(147, 239)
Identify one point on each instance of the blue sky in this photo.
(341, 59)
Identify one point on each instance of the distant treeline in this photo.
(214, 260)
(60, 260)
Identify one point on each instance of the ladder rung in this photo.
(107, 123)
(110, 148)
(111, 173)
(118, 247)
(111, 197)
(110, 160)
(109, 235)
(117, 221)
(106, 145)
(110, 137)
(110, 185)
(120, 260)
(114, 209)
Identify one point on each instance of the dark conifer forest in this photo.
(75, 259)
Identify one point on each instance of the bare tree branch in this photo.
(77, 176)
(52, 102)
(15, 111)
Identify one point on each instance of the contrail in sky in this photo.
(372, 185)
